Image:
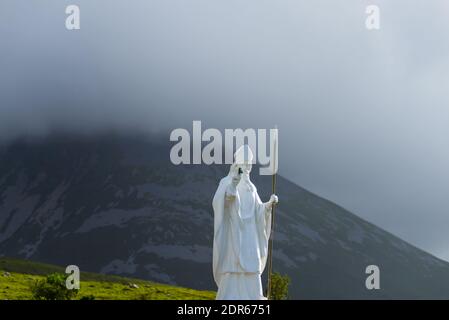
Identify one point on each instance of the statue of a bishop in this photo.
(242, 226)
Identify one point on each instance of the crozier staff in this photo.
(273, 207)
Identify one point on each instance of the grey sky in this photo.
(363, 116)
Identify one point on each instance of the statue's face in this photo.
(246, 167)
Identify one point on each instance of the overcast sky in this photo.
(363, 115)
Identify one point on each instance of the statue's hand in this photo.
(235, 174)
(274, 199)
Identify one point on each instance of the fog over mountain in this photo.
(363, 115)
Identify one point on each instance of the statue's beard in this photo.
(246, 180)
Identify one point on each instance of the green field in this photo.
(17, 276)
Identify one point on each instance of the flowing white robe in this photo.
(242, 226)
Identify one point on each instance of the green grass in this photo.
(24, 273)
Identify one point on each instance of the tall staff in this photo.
(273, 191)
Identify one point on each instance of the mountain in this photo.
(115, 204)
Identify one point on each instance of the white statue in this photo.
(242, 225)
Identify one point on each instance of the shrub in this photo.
(279, 286)
(53, 287)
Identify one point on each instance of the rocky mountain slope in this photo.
(116, 205)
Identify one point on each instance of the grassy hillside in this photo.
(17, 276)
